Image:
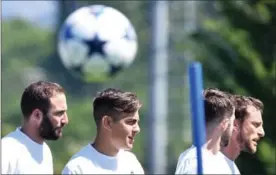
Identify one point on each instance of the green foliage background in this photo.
(236, 44)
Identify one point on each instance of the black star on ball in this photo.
(67, 31)
(95, 46)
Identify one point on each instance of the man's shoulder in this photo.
(10, 140)
(11, 147)
(188, 158)
(187, 162)
(80, 161)
(11, 134)
(82, 155)
(188, 154)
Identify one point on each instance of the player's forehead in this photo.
(58, 102)
(134, 116)
(253, 114)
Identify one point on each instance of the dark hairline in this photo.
(247, 101)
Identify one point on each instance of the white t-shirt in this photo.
(231, 164)
(21, 155)
(89, 161)
(211, 163)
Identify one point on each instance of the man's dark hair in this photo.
(37, 96)
(243, 102)
(115, 104)
(217, 105)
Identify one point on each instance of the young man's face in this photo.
(251, 130)
(56, 118)
(124, 131)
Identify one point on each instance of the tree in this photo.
(239, 49)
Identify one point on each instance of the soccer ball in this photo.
(96, 42)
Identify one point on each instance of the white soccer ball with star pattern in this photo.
(96, 42)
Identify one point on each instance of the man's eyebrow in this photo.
(133, 119)
(60, 111)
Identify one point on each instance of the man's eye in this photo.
(131, 122)
(60, 113)
(256, 124)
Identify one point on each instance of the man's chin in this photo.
(251, 149)
(128, 147)
(58, 134)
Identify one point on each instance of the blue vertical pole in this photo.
(197, 110)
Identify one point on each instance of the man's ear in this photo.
(37, 115)
(237, 124)
(225, 123)
(107, 122)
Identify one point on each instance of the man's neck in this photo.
(232, 151)
(213, 141)
(213, 145)
(31, 133)
(103, 145)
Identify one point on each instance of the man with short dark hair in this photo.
(219, 117)
(24, 151)
(116, 114)
(248, 126)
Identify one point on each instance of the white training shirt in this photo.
(89, 161)
(21, 155)
(231, 164)
(211, 163)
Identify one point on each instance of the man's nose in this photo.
(136, 129)
(65, 119)
(261, 132)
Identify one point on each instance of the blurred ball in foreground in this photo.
(96, 42)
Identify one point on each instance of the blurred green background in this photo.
(235, 41)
